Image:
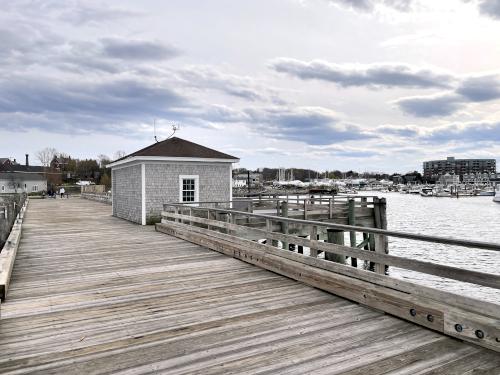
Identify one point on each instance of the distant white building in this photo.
(22, 182)
(477, 178)
(449, 179)
(17, 178)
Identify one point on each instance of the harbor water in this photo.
(473, 218)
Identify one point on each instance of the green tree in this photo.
(105, 180)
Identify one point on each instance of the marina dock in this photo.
(91, 294)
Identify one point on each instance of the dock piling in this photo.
(284, 224)
(352, 234)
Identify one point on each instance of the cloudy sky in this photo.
(369, 85)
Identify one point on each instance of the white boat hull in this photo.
(486, 194)
(442, 194)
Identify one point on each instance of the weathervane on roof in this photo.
(175, 127)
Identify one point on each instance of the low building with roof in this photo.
(174, 170)
(17, 178)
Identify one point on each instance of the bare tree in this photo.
(119, 154)
(46, 155)
(103, 160)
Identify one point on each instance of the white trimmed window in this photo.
(3, 187)
(35, 188)
(188, 188)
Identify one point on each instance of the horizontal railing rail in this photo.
(98, 197)
(328, 225)
(454, 273)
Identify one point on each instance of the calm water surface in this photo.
(474, 218)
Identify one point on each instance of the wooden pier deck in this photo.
(93, 294)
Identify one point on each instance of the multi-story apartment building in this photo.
(435, 168)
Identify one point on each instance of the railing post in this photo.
(352, 234)
(335, 236)
(176, 211)
(190, 215)
(305, 208)
(313, 237)
(181, 211)
(284, 224)
(383, 222)
(380, 222)
(330, 208)
(269, 228)
(379, 248)
(230, 220)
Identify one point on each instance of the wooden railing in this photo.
(104, 198)
(265, 240)
(9, 251)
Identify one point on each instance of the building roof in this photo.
(21, 175)
(23, 168)
(177, 148)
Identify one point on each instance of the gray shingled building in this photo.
(174, 170)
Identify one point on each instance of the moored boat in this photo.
(426, 192)
(486, 193)
(440, 192)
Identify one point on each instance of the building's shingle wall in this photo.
(127, 199)
(162, 183)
